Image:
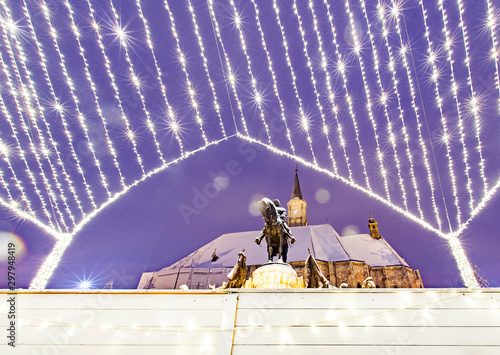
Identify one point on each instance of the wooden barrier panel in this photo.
(347, 321)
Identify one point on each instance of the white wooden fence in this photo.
(347, 321)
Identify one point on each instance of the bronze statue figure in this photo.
(276, 230)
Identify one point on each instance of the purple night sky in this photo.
(149, 228)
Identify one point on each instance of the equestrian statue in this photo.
(276, 230)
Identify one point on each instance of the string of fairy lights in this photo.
(91, 102)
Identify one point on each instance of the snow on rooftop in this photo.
(324, 242)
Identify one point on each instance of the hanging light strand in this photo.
(189, 84)
(395, 90)
(439, 102)
(492, 24)
(112, 81)
(170, 111)
(136, 82)
(69, 83)
(273, 75)
(348, 96)
(93, 86)
(253, 81)
(454, 88)
(57, 104)
(313, 79)
(474, 99)
(369, 103)
(230, 75)
(303, 116)
(403, 49)
(332, 95)
(205, 65)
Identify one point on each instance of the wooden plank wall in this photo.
(352, 321)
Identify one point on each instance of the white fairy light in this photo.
(58, 105)
(341, 66)
(189, 84)
(131, 68)
(230, 74)
(292, 72)
(113, 83)
(205, 65)
(357, 45)
(273, 74)
(477, 120)
(313, 80)
(250, 71)
(395, 89)
(163, 87)
(74, 97)
(109, 142)
(457, 104)
(443, 123)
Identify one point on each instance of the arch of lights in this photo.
(399, 100)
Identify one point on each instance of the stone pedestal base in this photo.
(274, 275)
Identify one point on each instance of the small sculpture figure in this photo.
(368, 283)
(276, 231)
(238, 274)
(313, 277)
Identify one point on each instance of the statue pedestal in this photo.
(274, 275)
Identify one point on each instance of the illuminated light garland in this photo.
(294, 79)
(230, 75)
(41, 109)
(21, 151)
(473, 93)
(313, 80)
(357, 49)
(52, 261)
(439, 102)
(273, 74)
(205, 65)
(113, 83)
(71, 87)
(495, 48)
(347, 95)
(253, 81)
(32, 115)
(43, 63)
(392, 69)
(4, 183)
(415, 109)
(457, 250)
(170, 111)
(136, 81)
(457, 104)
(191, 91)
(396, 14)
(109, 142)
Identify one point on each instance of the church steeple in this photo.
(297, 206)
(297, 192)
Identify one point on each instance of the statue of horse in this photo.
(275, 231)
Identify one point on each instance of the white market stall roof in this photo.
(325, 244)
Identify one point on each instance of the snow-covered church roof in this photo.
(325, 244)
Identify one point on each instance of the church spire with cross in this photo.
(297, 206)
